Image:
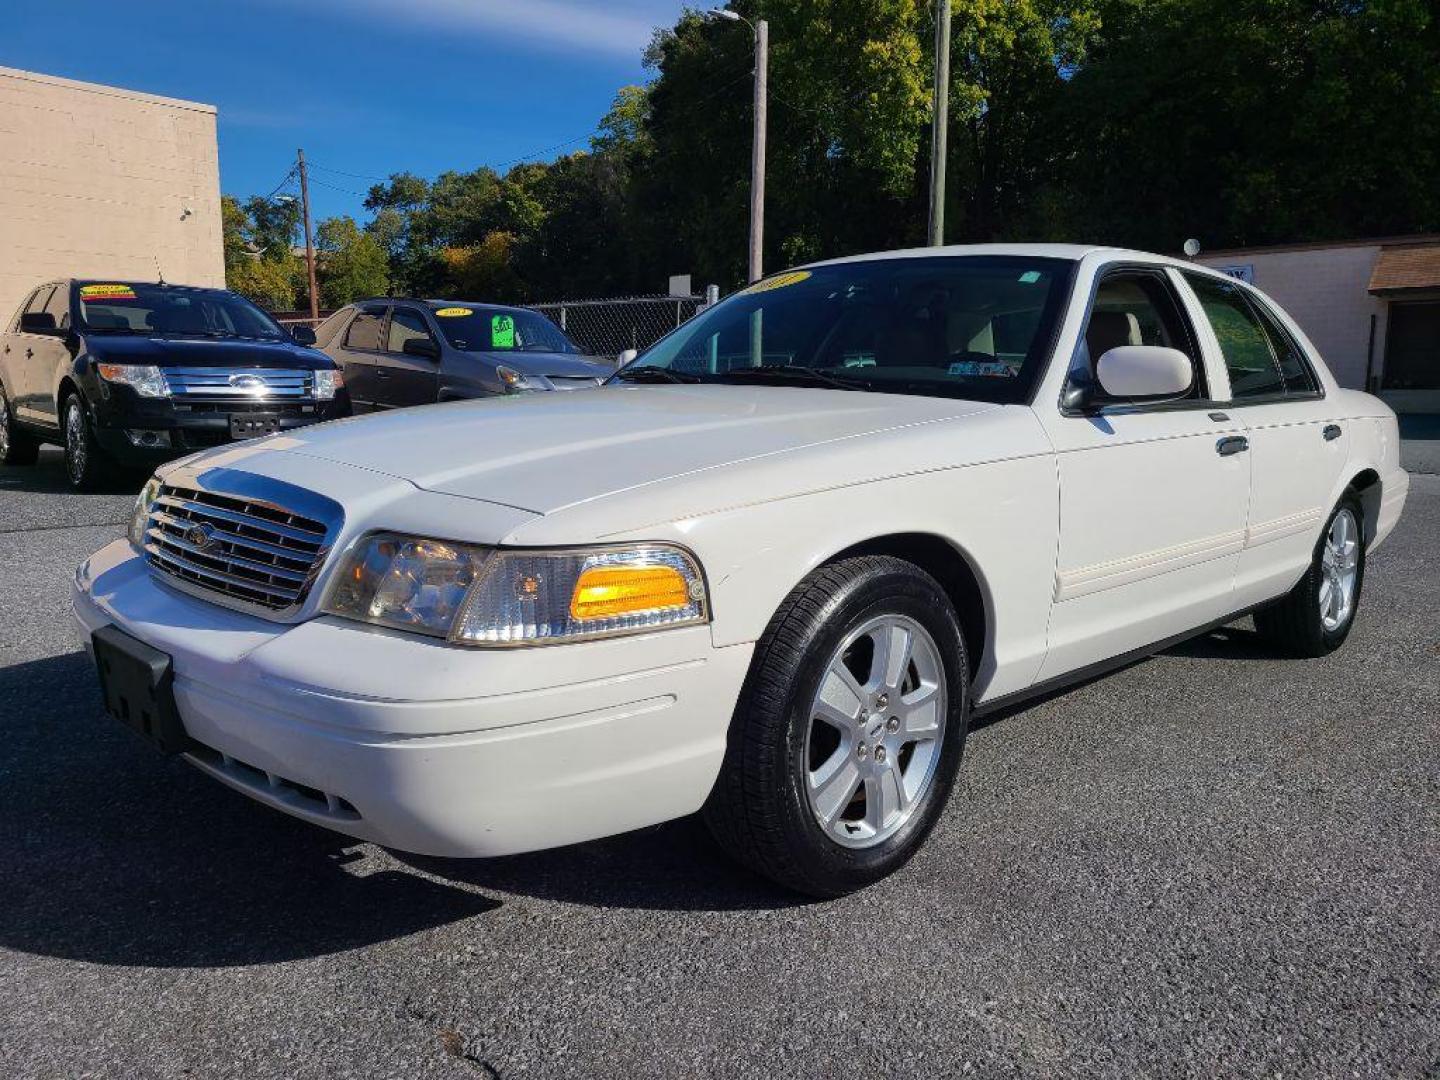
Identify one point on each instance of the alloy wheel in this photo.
(1339, 571)
(4, 426)
(76, 452)
(875, 730)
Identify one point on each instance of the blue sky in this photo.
(367, 87)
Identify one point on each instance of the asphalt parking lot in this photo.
(1213, 862)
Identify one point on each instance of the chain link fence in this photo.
(604, 328)
(609, 327)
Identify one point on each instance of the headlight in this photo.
(517, 383)
(497, 598)
(146, 379)
(326, 383)
(140, 516)
(405, 582)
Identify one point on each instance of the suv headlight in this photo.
(145, 379)
(326, 383)
(140, 516)
(488, 598)
(516, 382)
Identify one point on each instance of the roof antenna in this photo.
(159, 274)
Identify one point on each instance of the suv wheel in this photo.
(16, 447)
(1316, 616)
(84, 463)
(849, 730)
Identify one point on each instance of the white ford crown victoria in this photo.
(770, 572)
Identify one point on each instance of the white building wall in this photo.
(96, 182)
(1325, 291)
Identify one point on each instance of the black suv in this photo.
(132, 373)
(397, 352)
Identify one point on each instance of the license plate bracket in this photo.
(137, 682)
(253, 425)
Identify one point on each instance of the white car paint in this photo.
(1089, 537)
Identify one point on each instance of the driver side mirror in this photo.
(38, 322)
(1144, 373)
(625, 357)
(419, 346)
(303, 335)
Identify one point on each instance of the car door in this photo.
(13, 361)
(359, 351)
(1298, 443)
(1152, 496)
(34, 356)
(56, 355)
(406, 378)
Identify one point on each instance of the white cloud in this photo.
(585, 25)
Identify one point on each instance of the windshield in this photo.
(170, 310)
(972, 326)
(483, 329)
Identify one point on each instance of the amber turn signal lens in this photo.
(604, 591)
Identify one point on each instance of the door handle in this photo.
(1331, 432)
(1232, 444)
(381, 373)
(29, 353)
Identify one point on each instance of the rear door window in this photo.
(1244, 344)
(1294, 368)
(364, 332)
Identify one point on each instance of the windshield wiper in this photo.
(647, 373)
(789, 373)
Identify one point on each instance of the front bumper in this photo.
(426, 747)
(193, 426)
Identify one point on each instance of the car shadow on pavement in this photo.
(113, 855)
(670, 867)
(47, 477)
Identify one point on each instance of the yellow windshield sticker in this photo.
(779, 281)
(106, 292)
(502, 332)
(453, 312)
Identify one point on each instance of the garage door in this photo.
(1412, 347)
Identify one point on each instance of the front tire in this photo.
(16, 447)
(1315, 617)
(849, 730)
(85, 465)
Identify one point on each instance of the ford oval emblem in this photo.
(201, 536)
(251, 384)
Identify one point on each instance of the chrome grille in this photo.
(249, 551)
(248, 383)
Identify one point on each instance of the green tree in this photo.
(274, 284)
(351, 263)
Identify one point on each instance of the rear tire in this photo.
(16, 447)
(86, 467)
(1315, 618)
(849, 729)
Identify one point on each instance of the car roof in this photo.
(432, 302)
(1069, 252)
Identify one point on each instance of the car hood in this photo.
(545, 452)
(564, 365)
(202, 352)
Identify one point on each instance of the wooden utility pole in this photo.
(940, 121)
(309, 238)
(757, 152)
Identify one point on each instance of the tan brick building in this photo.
(97, 181)
(1372, 308)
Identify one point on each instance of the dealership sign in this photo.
(1244, 271)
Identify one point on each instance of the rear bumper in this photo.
(425, 747)
(1394, 490)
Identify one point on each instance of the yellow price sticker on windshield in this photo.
(454, 312)
(779, 281)
(106, 292)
